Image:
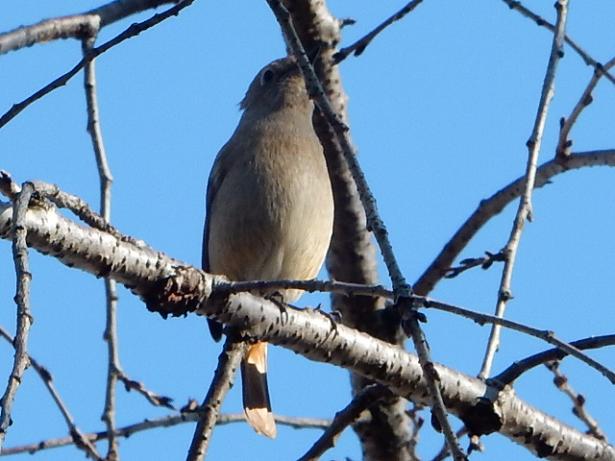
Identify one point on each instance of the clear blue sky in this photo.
(441, 105)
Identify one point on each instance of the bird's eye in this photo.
(267, 76)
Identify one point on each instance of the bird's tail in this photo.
(256, 403)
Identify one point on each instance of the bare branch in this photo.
(110, 333)
(493, 205)
(132, 31)
(165, 421)
(82, 442)
(19, 232)
(578, 401)
(545, 335)
(485, 262)
(65, 200)
(229, 360)
(510, 374)
(340, 130)
(444, 451)
(345, 288)
(524, 211)
(307, 332)
(74, 26)
(352, 253)
(344, 418)
(564, 143)
(358, 47)
(374, 222)
(154, 276)
(155, 399)
(541, 22)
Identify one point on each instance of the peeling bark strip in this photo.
(307, 332)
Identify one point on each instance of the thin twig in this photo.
(541, 22)
(579, 408)
(546, 335)
(418, 421)
(70, 202)
(76, 25)
(110, 333)
(444, 451)
(524, 211)
(375, 223)
(95, 131)
(364, 399)
(346, 288)
(420, 301)
(165, 421)
(359, 46)
(78, 439)
(491, 206)
(22, 300)
(510, 374)
(352, 254)
(340, 130)
(113, 368)
(132, 31)
(438, 408)
(229, 360)
(155, 399)
(564, 143)
(485, 262)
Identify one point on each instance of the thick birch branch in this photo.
(161, 280)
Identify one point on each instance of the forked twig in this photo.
(358, 47)
(579, 409)
(524, 211)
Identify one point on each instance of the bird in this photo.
(269, 208)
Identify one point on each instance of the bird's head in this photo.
(279, 85)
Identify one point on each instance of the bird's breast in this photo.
(279, 222)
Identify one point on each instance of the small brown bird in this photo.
(269, 207)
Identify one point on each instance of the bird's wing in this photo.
(222, 164)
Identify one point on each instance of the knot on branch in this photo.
(482, 418)
(179, 294)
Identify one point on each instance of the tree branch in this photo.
(578, 401)
(374, 222)
(79, 26)
(490, 207)
(77, 438)
(344, 418)
(358, 47)
(564, 143)
(352, 253)
(132, 31)
(483, 408)
(541, 22)
(524, 211)
(229, 360)
(18, 232)
(510, 374)
(111, 297)
(165, 421)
